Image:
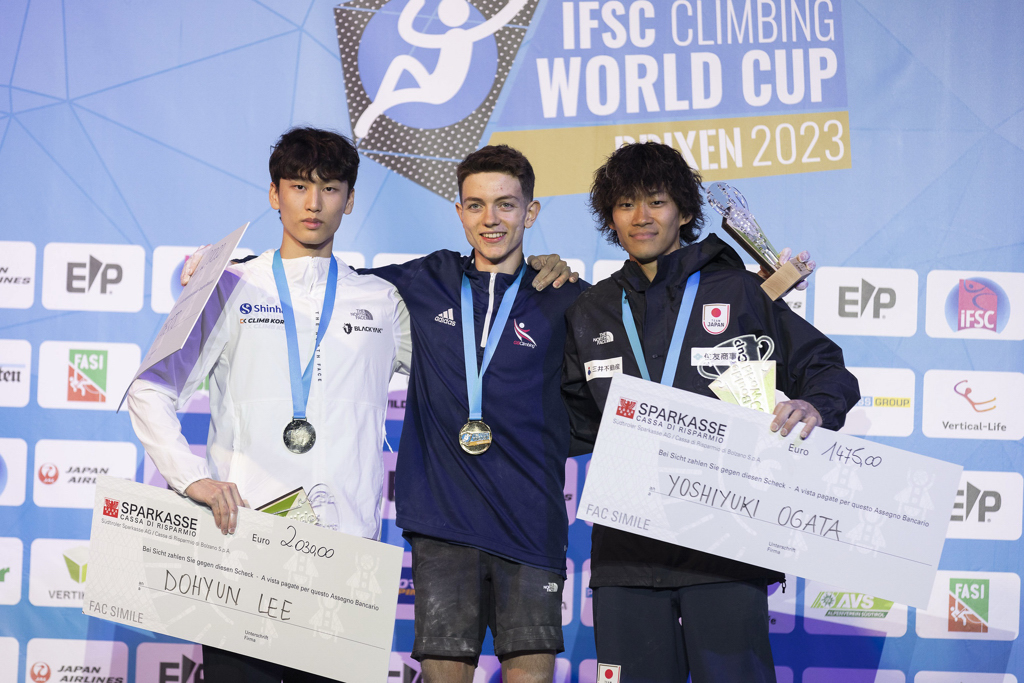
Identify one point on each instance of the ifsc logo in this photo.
(423, 76)
(975, 305)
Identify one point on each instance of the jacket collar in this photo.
(674, 268)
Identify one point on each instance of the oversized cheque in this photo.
(705, 474)
(279, 590)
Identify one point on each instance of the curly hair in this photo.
(646, 168)
(499, 159)
(302, 153)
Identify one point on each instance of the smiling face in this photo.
(495, 214)
(311, 212)
(648, 226)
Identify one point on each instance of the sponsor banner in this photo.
(969, 404)
(169, 663)
(166, 280)
(11, 569)
(866, 301)
(586, 595)
(567, 591)
(570, 488)
(58, 568)
(13, 459)
(606, 367)
(964, 304)
(398, 391)
(972, 606)
(988, 506)
(796, 299)
(17, 274)
(15, 372)
(406, 590)
(93, 277)
(815, 674)
(85, 375)
(962, 677)
(49, 660)
(886, 405)
(721, 149)
(832, 611)
(782, 606)
(66, 471)
(9, 659)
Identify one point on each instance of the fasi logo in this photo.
(423, 76)
(39, 672)
(627, 408)
(968, 605)
(843, 604)
(523, 337)
(87, 375)
(977, 304)
(48, 473)
(110, 507)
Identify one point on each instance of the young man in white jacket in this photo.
(256, 450)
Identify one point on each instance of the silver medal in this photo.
(299, 436)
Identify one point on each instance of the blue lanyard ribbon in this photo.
(474, 378)
(675, 347)
(300, 385)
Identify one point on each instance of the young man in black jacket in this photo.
(661, 611)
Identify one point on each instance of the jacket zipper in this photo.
(490, 310)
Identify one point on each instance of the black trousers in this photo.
(715, 632)
(221, 666)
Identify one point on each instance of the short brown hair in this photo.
(499, 159)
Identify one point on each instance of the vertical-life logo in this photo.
(422, 78)
(87, 375)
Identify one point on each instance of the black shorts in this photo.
(460, 591)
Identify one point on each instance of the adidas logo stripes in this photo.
(445, 317)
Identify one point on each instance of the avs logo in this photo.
(843, 604)
(87, 375)
(93, 277)
(110, 507)
(422, 78)
(854, 301)
(968, 605)
(627, 408)
(715, 318)
(523, 337)
(977, 304)
(39, 672)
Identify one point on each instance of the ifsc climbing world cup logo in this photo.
(422, 78)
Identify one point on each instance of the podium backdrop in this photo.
(885, 137)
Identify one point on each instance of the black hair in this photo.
(646, 168)
(302, 153)
(499, 159)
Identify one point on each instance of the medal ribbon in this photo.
(300, 385)
(675, 347)
(474, 379)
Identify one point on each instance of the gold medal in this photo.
(475, 437)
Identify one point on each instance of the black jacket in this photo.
(809, 366)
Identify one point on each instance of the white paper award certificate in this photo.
(708, 475)
(278, 590)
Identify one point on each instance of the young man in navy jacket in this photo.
(661, 611)
(488, 531)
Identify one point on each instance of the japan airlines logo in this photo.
(40, 672)
(93, 277)
(48, 473)
(422, 78)
(523, 335)
(17, 274)
(627, 408)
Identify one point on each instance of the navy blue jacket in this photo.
(508, 501)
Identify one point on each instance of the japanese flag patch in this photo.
(716, 318)
(608, 673)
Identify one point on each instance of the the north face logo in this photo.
(110, 507)
(604, 338)
(626, 408)
(362, 314)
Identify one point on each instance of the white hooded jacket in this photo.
(239, 341)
